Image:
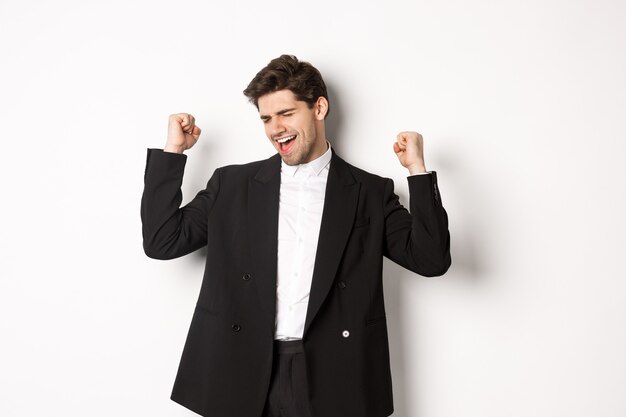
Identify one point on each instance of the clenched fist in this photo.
(409, 148)
(182, 133)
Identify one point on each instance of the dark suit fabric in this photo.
(226, 363)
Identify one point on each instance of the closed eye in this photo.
(286, 112)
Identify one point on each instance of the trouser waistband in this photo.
(289, 346)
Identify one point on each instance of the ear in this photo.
(321, 108)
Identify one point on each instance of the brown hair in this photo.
(287, 73)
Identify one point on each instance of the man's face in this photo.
(295, 130)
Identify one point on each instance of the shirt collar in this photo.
(316, 165)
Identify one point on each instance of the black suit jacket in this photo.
(226, 363)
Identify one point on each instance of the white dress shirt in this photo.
(302, 191)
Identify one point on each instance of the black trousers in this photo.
(288, 395)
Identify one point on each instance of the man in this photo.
(290, 319)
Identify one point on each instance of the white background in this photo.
(522, 106)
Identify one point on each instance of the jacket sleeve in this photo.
(170, 231)
(419, 240)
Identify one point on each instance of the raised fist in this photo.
(182, 133)
(409, 148)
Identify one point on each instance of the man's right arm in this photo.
(170, 231)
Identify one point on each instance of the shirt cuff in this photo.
(421, 173)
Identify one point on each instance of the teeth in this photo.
(283, 140)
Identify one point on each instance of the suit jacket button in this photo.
(341, 284)
(236, 327)
(345, 333)
(246, 277)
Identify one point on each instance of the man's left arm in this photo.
(419, 240)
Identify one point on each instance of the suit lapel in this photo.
(263, 199)
(340, 203)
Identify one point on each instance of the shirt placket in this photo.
(298, 260)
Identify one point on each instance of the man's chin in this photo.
(292, 158)
(291, 161)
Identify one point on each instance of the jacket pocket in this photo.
(377, 320)
(360, 222)
(207, 310)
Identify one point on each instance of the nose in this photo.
(275, 127)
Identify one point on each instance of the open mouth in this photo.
(285, 143)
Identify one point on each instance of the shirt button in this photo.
(246, 277)
(236, 327)
(341, 284)
(345, 333)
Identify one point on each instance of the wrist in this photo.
(173, 149)
(416, 169)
